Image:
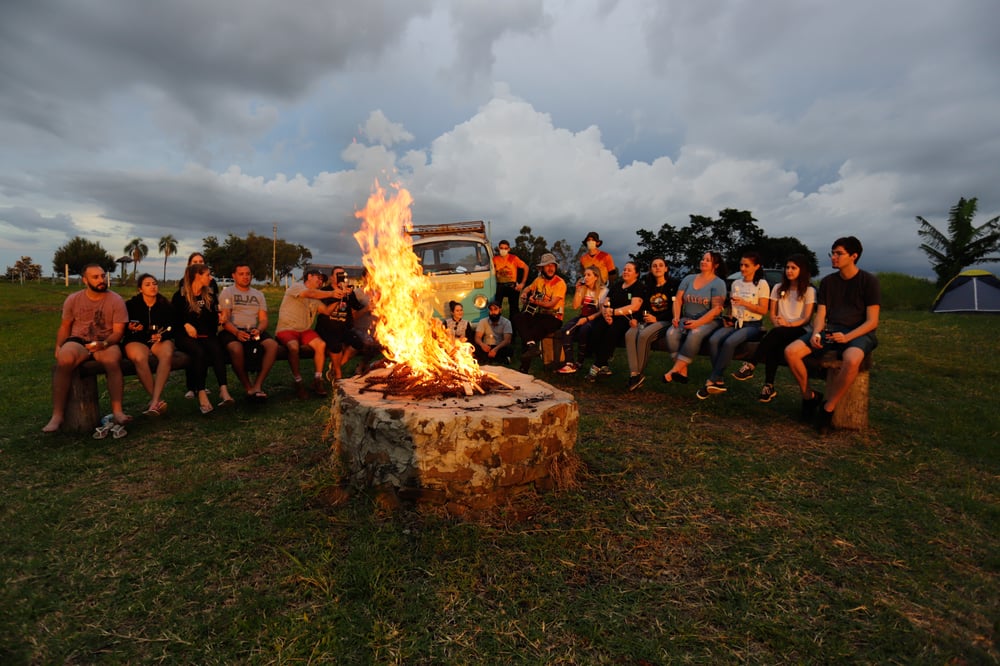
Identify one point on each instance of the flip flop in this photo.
(228, 402)
(257, 395)
(206, 410)
(157, 410)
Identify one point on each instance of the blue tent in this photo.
(969, 291)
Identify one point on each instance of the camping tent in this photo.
(969, 291)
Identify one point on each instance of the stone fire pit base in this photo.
(466, 454)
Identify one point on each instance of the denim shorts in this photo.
(866, 343)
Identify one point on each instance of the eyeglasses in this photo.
(838, 253)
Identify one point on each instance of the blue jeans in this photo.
(685, 344)
(723, 343)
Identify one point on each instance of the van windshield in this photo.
(452, 256)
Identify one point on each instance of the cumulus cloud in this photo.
(205, 118)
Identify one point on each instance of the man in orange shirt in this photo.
(599, 259)
(511, 276)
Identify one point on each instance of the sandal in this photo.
(227, 402)
(109, 427)
(158, 410)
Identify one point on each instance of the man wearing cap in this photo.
(298, 309)
(599, 259)
(543, 309)
(493, 337)
(512, 273)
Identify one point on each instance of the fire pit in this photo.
(433, 426)
(467, 454)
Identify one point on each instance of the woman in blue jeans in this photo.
(698, 303)
(749, 300)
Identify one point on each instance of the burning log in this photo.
(400, 380)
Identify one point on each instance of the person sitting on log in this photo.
(542, 309)
(244, 332)
(792, 303)
(700, 299)
(846, 321)
(149, 333)
(589, 293)
(93, 323)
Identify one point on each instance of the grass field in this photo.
(717, 531)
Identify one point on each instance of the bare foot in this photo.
(121, 418)
(53, 425)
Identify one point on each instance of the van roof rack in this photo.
(474, 226)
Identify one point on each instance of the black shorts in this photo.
(225, 337)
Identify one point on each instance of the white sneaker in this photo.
(189, 395)
(569, 368)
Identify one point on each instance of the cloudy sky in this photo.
(204, 117)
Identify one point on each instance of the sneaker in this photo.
(593, 372)
(569, 368)
(703, 393)
(318, 387)
(189, 395)
(716, 387)
(604, 371)
(767, 393)
(744, 373)
(531, 350)
(635, 381)
(810, 405)
(300, 390)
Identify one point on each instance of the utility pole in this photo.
(274, 257)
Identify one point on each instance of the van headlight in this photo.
(480, 302)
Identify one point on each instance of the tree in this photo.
(775, 251)
(80, 252)
(733, 233)
(530, 249)
(964, 245)
(138, 251)
(24, 269)
(167, 247)
(255, 250)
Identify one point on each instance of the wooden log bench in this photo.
(851, 412)
(83, 405)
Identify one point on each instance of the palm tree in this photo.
(138, 250)
(168, 246)
(965, 245)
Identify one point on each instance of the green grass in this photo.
(717, 531)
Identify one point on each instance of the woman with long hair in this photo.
(748, 298)
(653, 320)
(196, 312)
(792, 303)
(590, 291)
(149, 333)
(618, 313)
(700, 299)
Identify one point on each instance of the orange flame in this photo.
(405, 324)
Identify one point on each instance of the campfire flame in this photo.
(405, 326)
